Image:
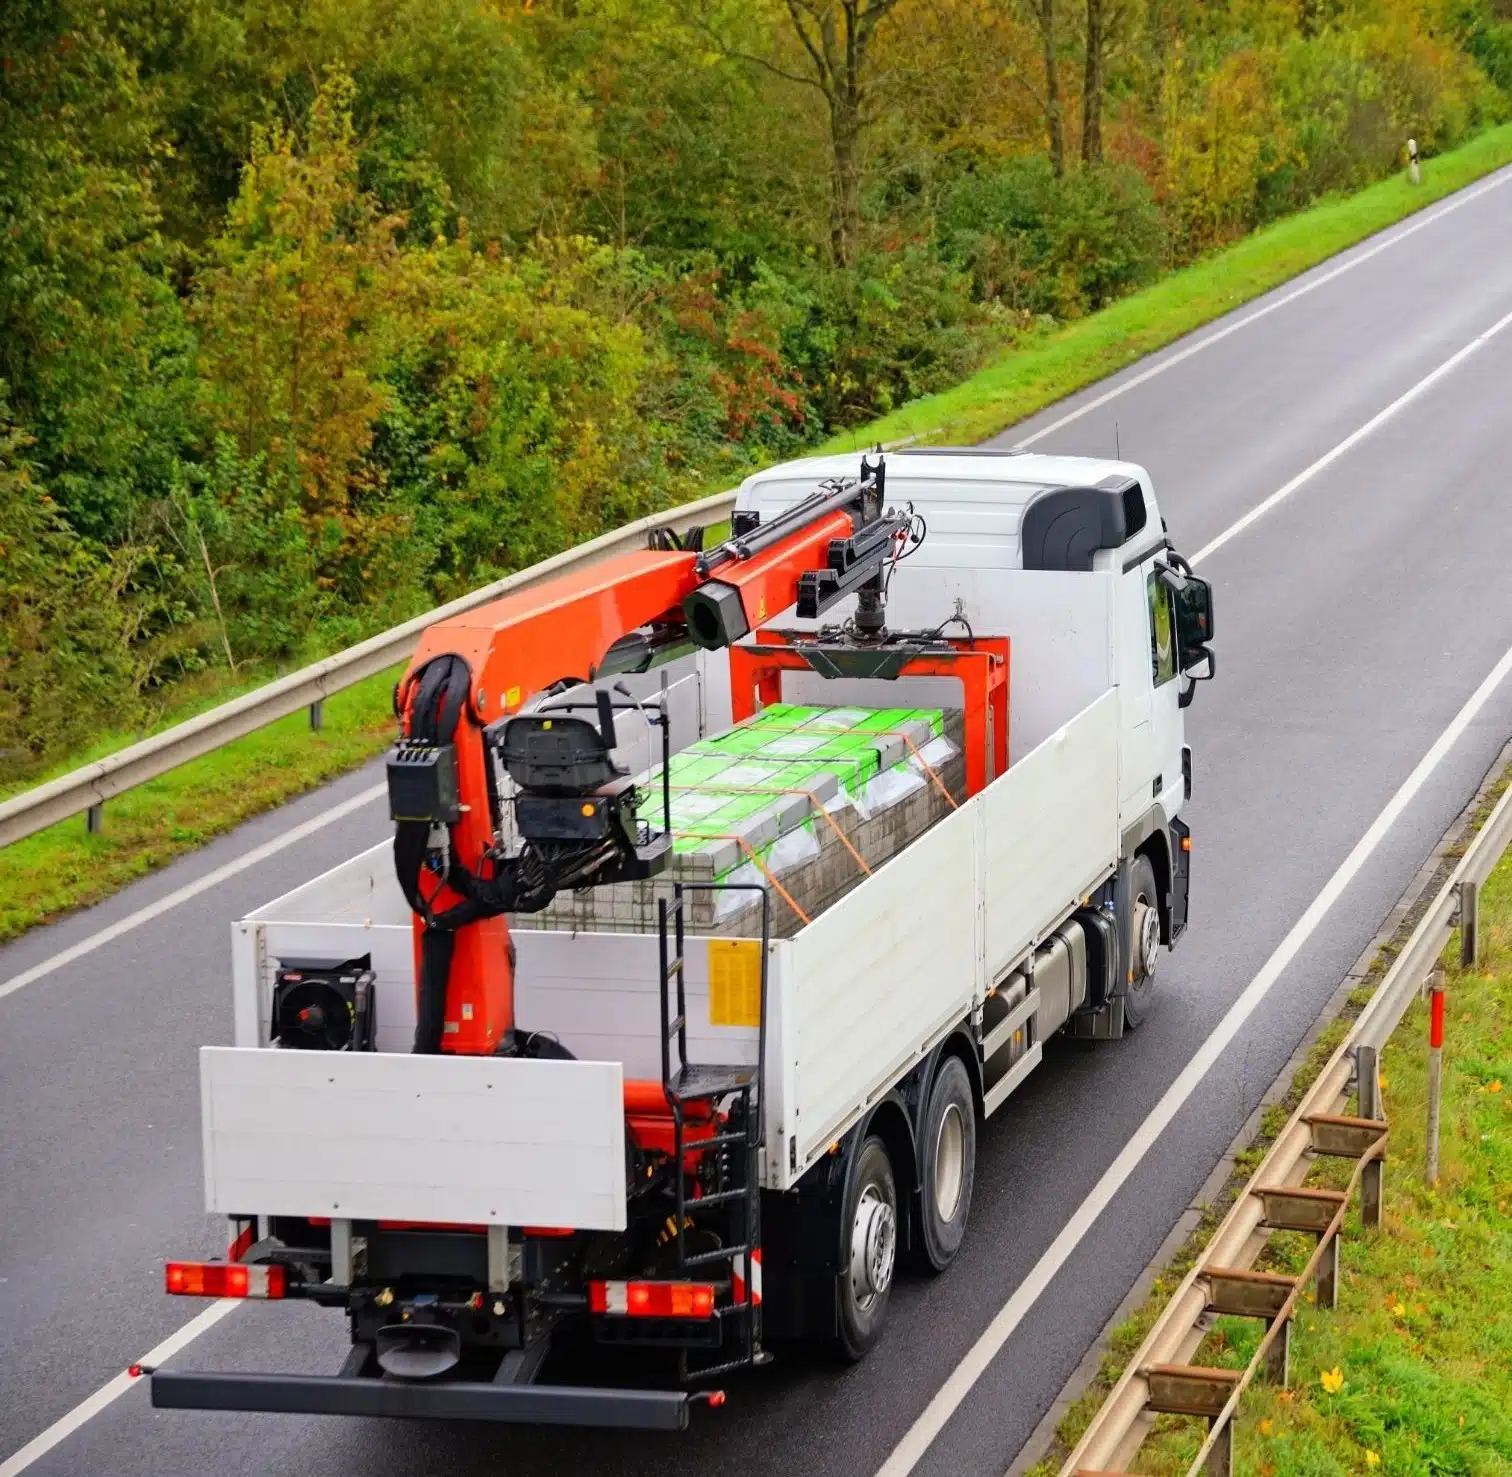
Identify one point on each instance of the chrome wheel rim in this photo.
(874, 1240)
(1147, 936)
(949, 1163)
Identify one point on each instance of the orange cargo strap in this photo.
(809, 795)
(928, 769)
(761, 866)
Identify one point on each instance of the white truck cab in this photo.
(1069, 557)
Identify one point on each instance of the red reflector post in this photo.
(224, 1280)
(652, 1299)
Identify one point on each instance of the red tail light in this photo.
(652, 1299)
(224, 1280)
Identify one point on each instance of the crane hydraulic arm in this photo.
(460, 705)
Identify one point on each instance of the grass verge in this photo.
(1423, 1331)
(62, 868)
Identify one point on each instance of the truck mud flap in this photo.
(547, 1405)
(1181, 877)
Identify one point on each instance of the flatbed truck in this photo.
(505, 1152)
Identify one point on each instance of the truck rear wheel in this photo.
(948, 1136)
(1146, 939)
(869, 1251)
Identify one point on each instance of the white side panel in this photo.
(246, 984)
(449, 1140)
(1051, 831)
(868, 986)
(597, 993)
(874, 979)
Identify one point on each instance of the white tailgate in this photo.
(451, 1140)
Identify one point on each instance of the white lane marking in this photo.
(955, 1389)
(64, 1427)
(189, 890)
(1456, 202)
(1374, 423)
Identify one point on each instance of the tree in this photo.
(67, 620)
(92, 341)
(1045, 14)
(837, 36)
(289, 306)
(1092, 86)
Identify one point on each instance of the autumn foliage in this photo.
(313, 316)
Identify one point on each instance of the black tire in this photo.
(868, 1252)
(1144, 899)
(948, 1169)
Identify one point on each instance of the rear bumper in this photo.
(560, 1405)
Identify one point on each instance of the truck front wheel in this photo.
(1146, 940)
(948, 1137)
(869, 1245)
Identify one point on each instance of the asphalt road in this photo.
(1354, 619)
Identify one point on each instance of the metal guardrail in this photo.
(1160, 1377)
(87, 788)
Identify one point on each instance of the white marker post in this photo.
(1413, 172)
(1435, 1069)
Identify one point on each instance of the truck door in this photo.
(1137, 760)
(1166, 726)
(1148, 691)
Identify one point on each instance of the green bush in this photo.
(1043, 244)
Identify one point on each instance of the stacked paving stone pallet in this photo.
(787, 799)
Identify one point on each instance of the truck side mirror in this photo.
(1193, 601)
(1194, 623)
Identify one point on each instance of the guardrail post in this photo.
(94, 818)
(1367, 1076)
(1328, 1274)
(1469, 924)
(1435, 1074)
(1372, 1191)
(1372, 1177)
(1278, 1357)
(317, 715)
(1220, 1458)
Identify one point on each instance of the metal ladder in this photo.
(736, 1195)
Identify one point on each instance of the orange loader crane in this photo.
(460, 706)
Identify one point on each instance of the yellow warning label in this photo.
(512, 698)
(734, 982)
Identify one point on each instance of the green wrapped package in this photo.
(736, 793)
